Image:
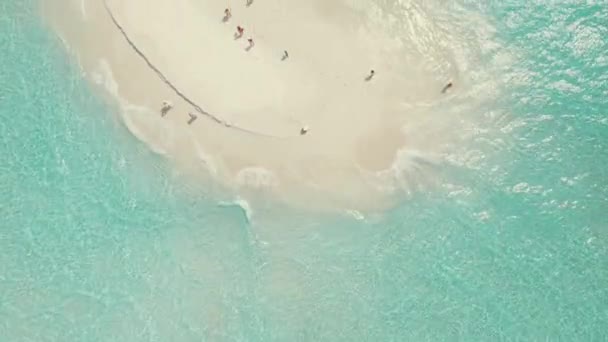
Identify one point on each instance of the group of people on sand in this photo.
(167, 106)
(240, 31)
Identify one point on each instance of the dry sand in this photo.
(259, 101)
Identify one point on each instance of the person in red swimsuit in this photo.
(239, 32)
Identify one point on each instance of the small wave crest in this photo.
(409, 170)
(242, 205)
(104, 77)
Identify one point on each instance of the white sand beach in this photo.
(251, 104)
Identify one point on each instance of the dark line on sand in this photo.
(170, 85)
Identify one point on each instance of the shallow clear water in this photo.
(101, 240)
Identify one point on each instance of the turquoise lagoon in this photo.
(103, 240)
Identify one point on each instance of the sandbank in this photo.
(251, 104)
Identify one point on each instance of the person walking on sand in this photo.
(166, 107)
(192, 118)
(371, 75)
(285, 55)
(239, 32)
(227, 14)
(251, 43)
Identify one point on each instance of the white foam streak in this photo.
(83, 9)
(243, 205)
(104, 77)
(256, 178)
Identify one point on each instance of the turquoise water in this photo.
(101, 240)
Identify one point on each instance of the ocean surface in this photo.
(103, 240)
